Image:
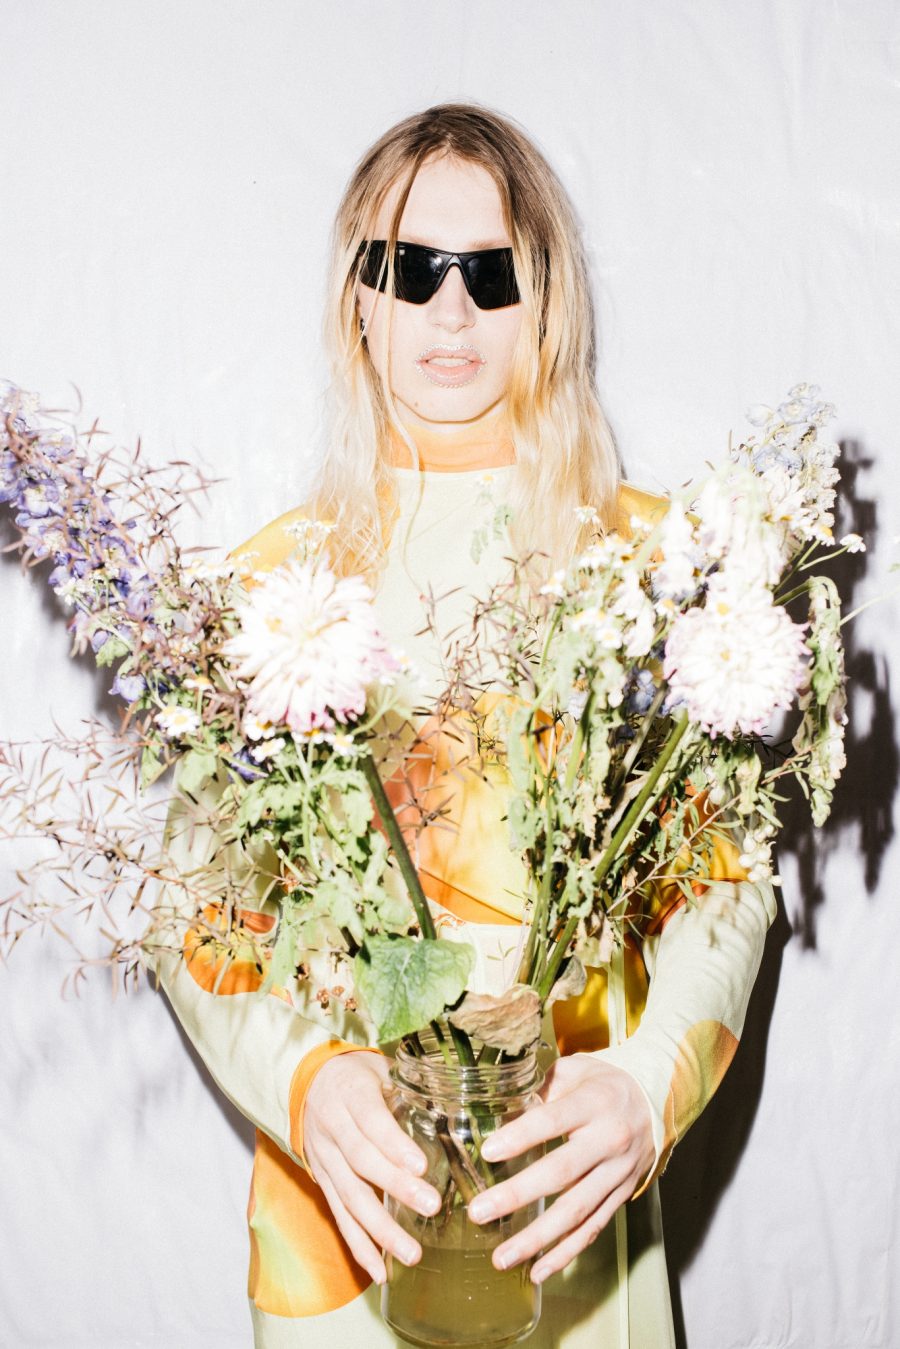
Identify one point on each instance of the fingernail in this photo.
(504, 1259)
(492, 1150)
(407, 1251)
(415, 1162)
(481, 1210)
(538, 1275)
(426, 1201)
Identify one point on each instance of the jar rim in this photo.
(432, 1073)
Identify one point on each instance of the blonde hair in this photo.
(565, 453)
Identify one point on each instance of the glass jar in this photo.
(454, 1295)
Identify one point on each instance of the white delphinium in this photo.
(823, 698)
(736, 660)
(756, 852)
(310, 646)
(797, 470)
(633, 605)
(679, 564)
(733, 528)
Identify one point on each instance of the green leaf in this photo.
(282, 969)
(407, 981)
(152, 767)
(113, 649)
(338, 899)
(358, 810)
(195, 770)
(253, 804)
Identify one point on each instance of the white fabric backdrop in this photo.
(170, 174)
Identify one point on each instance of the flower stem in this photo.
(560, 946)
(637, 744)
(642, 801)
(461, 1041)
(398, 843)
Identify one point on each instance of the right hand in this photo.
(353, 1144)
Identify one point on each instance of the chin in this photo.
(450, 405)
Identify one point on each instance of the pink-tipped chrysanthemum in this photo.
(310, 645)
(735, 661)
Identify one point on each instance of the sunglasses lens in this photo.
(372, 268)
(418, 272)
(492, 278)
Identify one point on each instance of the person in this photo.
(460, 328)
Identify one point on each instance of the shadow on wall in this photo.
(864, 798)
(703, 1164)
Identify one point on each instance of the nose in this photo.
(452, 307)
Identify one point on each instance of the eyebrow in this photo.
(479, 246)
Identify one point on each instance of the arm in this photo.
(268, 1058)
(262, 1052)
(623, 1108)
(702, 966)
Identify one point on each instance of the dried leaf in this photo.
(571, 983)
(509, 1021)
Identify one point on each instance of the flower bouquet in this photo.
(626, 697)
(633, 693)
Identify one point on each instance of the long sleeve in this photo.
(702, 965)
(261, 1050)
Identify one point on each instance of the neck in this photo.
(453, 447)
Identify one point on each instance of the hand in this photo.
(608, 1152)
(353, 1143)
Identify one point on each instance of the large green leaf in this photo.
(409, 981)
(282, 969)
(195, 770)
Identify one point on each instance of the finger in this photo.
(371, 1164)
(364, 1206)
(557, 1171)
(556, 1259)
(569, 1211)
(373, 1119)
(363, 1250)
(540, 1124)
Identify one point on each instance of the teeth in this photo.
(450, 361)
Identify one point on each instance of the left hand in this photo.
(608, 1152)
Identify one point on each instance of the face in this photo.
(449, 361)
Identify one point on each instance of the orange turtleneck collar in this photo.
(486, 443)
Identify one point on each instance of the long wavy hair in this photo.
(565, 453)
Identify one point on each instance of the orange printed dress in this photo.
(669, 1012)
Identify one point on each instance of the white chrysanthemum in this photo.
(602, 626)
(734, 662)
(266, 749)
(254, 728)
(342, 744)
(310, 645)
(177, 722)
(555, 585)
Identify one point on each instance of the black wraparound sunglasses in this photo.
(489, 275)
